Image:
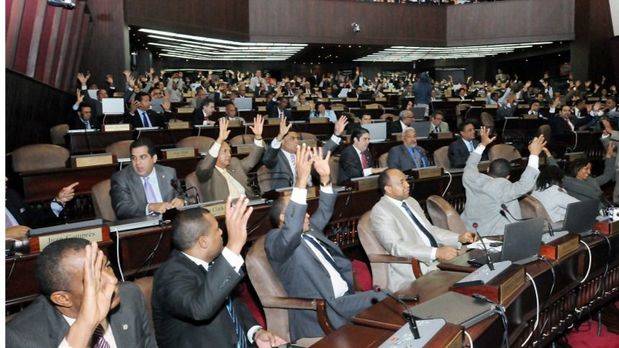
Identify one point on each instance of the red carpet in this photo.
(587, 337)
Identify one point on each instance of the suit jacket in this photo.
(95, 104)
(458, 153)
(485, 194)
(213, 185)
(31, 217)
(279, 168)
(157, 120)
(76, 122)
(127, 191)
(443, 127)
(198, 117)
(394, 127)
(505, 111)
(350, 165)
(189, 304)
(302, 274)
(560, 128)
(274, 113)
(41, 325)
(400, 158)
(395, 231)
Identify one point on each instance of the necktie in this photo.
(469, 145)
(97, 338)
(420, 225)
(145, 120)
(9, 220)
(437, 129)
(415, 155)
(364, 160)
(293, 164)
(151, 197)
(238, 328)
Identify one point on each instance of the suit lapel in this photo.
(121, 329)
(164, 184)
(284, 159)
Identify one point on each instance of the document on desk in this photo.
(113, 106)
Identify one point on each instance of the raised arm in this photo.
(254, 156)
(205, 168)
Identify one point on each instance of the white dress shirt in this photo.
(366, 171)
(154, 183)
(108, 335)
(469, 144)
(420, 234)
(276, 144)
(236, 261)
(340, 287)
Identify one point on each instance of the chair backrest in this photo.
(39, 157)
(334, 164)
(197, 142)
(382, 160)
(545, 130)
(267, 285)
(308, 138)
(146, 287)
(58, 132)
(242, 139)
(120, 149)
(444, 215)
(530, 207)
(191, 180)
(102, 201)
(441, 157)
(264, 179)
(505, 151)
(371, 246)
(389, 116)
(487, 120)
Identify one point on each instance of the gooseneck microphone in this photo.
(504, 210)
(412, 323)
(178, 187)
(483, 244)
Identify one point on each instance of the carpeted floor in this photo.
(587, 336)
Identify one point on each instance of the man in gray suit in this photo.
(81, 303)
(401, 227)
(144, 188)
(308, 264)
(280, 158)
(486, 193)
(408, 155)
(221, 175)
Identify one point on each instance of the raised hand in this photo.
(258, 127)
(283, 129)
(610, 149)
(80, 97)
(485, 136)
(83, 79)
(166, 105)
(66, 193)
(537, 145)
(340, 125)
(237, 215)
(109, 79)
(223, 130)
(303, 165)
(321, 165)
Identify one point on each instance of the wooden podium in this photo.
(560, 247)
(607, 227)
(497, 290)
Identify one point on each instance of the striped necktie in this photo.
(98, 341)
(238, 328)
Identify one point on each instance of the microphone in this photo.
(504, 210)
(412, 323)
(178, 187)
(483, 244)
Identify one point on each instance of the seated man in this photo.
(356, 160)
(144, 187)
(437, 125)
(534, 111)
(280, 157)
(485, 194)
(401, 227)
(20, 218)
(406, 121)
(232, 113)
(460, 149)
(203, 114)
(308, 264)
(408, 155)
(140, 114)
(82, 119)
(321, 111)
(221, 175)
(193, 302)
(281, 110)
(81, 303)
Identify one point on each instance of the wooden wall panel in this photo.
(25, 35)
(35, 41)
(50, 57)
(13, 24)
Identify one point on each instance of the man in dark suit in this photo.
(203, 114)
(356, 160)
(193, 305)
(83, 119)
(406, 121)
(408, 155)
(280, 157)
(81, 303)
(95, 104)
(140, 114)
(561, 125)
(144, 187)
(308, 264)
(281, 110)
(460, 149)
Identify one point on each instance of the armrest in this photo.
(314, 304)
(384, 258)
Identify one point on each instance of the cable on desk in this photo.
(536, 310)
(588, 266)
(120, 266)
(448, 183)
(469, 337)
(554, 275)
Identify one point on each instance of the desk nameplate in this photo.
(607, 228)
(92, 160)
(560, 247)
(179, 125)
(118, 127)
(93, 234)
(179, 152)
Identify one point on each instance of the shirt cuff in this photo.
(235, 260)
(299, 195)
(146, 211)
(433, 254)
(480, 149)
(551, 110)
(258, 143)
(276, 143)
(214, 150)
(367, 171)
(84, 87)
(327, 189)
(533, 161)
(75, 106)
(56, 208)
(336, 139)
(251, 332)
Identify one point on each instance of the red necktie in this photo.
(364, 160)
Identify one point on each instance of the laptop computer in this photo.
(422, 128)
(579, 217)
(243, 104)
(521, 243)
(378, 131)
